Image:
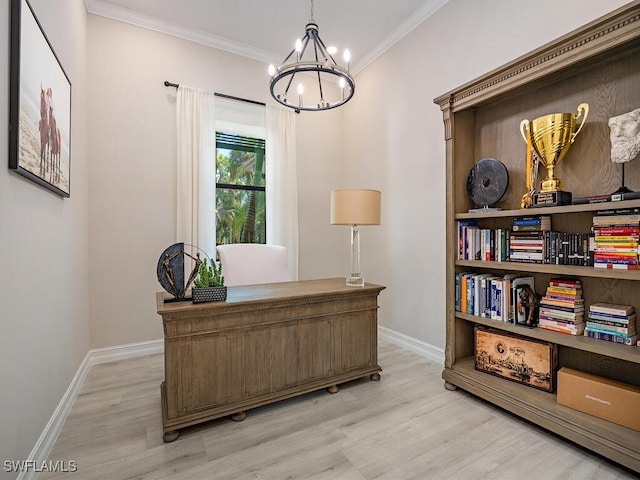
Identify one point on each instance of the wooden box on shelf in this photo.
(516, 358)
(593, 64)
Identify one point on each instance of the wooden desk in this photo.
(264, 344)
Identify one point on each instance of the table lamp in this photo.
(355, 207)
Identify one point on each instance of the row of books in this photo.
(616, 241)
(491, 296)
(511, 298)
(475, 243)
(613, 323)
(547, 247)
(483, 244)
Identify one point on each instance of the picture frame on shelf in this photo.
(39, 106)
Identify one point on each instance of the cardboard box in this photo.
(519, 359)
(601, 397)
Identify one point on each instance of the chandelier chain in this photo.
(311, 10)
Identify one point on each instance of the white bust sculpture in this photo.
(625, 136)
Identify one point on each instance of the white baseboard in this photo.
(43, 446)
(416, 346)
(123, 352)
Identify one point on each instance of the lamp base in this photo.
(355, 281)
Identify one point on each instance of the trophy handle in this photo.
(524, 126)
(583, 110)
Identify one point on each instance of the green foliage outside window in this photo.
(240, 190)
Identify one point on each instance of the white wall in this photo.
(44, 271)
(395, 139)
(132, 172)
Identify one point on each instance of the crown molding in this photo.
(126, 15)
(406, 27)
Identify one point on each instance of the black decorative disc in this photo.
(487, 182)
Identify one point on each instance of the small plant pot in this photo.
(209, 294)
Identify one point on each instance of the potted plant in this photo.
(209, 286)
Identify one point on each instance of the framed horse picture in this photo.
(39, 105)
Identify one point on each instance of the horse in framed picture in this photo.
(55, 149)
(43, 126)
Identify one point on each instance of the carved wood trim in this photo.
(613, 30)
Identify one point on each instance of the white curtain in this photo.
(282, 182)
(196, 216)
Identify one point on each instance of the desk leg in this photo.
(375, 376)
(170, 436)
(333, 389)
(238, 417)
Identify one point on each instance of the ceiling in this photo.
(266, 30)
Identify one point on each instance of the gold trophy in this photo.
(550, 137)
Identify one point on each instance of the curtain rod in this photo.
(231, 97)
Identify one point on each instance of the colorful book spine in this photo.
(614, 197)
(612, 309)
(610, 337)
(604, 328)
(616, 266)
(613, 319)
(566, 283)
(570, 330)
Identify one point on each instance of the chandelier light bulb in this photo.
(332, 50)
(346, 55)
(342, 82)
(272, 70)
(298, 49)
(300, 89)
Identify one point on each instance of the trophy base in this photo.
(551, 199)
(551, 184)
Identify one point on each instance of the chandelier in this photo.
(315, 63)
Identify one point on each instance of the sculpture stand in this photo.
(623, 188)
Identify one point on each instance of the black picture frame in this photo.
(39, 105)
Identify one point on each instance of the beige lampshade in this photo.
(355, 207)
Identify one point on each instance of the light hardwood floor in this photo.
(406, 426)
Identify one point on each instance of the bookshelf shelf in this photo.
(614, 350)
(564, 270)
(615, 442)
(567, 209)
(592, 64)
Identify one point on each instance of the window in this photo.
(240, 189)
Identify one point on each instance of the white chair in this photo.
(253, 263)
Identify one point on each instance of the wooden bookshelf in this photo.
(598, 64)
